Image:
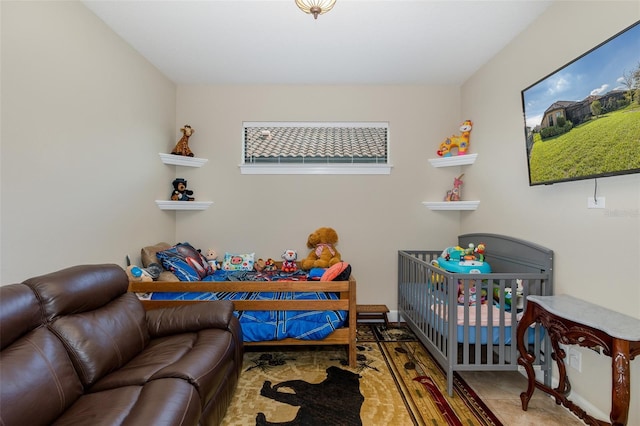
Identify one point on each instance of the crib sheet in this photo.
(497, 327)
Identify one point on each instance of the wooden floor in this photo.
(500, 390)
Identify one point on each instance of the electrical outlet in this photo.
(593, 203)
(575, 359)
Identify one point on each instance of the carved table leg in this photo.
(559, 355)
(621, 386)
(526, 359)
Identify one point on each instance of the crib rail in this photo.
(446, 312)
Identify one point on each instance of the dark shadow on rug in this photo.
(396, 381)
(336, 400)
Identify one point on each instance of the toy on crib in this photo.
(289, 261)
(473, 293)
(508, 295)
(479, 252)
(455, 194)
(212, 259)
(469, 252)
(461, 142)
(463, 260)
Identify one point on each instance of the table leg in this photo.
(621, 386)
(526, 359)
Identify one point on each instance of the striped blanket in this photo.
(258, 326)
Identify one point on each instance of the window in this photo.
(315, 148)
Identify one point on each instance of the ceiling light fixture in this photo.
(315, 7)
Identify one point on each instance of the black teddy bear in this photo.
(180, 191)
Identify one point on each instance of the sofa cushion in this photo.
(203, 359)
(39, 381)
(160, 402)
(79, 288)
(102, 340)
(35, 370)
(20, 313)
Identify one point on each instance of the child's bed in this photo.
(472, 336)
(279, 307)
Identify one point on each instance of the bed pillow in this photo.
(148, 255)
(341, 271)
(238, 262)
(187, 263)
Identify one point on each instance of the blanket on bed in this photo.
(260, 326)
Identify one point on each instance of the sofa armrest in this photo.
(190, 318)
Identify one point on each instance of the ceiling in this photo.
(358, 42)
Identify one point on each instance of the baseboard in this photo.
(393, 316)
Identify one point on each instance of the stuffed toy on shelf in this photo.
(455, 194)
(182, 147)
(180, 191)
(459, 142)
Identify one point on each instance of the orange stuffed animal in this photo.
(324, 253)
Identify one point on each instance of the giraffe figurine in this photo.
(182, 147)
(461, 142)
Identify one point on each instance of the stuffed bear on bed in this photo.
(323, 251)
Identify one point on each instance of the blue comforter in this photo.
(260, 326)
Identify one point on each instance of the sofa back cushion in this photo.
(88, 308)
(19, 313)
(39, 381)
(79, 288)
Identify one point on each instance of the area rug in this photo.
(396, 382)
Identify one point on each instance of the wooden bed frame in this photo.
(346, 302)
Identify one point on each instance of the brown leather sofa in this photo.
(77, 348)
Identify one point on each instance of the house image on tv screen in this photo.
(581, 111)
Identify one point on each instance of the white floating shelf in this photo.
(458, 160)
(183, 205)
(451, 205)
(181, 160)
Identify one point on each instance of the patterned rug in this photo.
(395, 382)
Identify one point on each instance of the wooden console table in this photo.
(573, 321)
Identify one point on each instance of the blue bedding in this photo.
(258, 326)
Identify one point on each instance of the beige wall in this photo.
(373, 215)
(83, 119)
(597, 252)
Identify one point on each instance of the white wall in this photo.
(597, 252)
(374, 216)
(83, 119)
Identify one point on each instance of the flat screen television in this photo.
(583, 120)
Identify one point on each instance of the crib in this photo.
(444, 309)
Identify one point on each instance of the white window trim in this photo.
(315, 169)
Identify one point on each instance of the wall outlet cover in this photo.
(595, 203)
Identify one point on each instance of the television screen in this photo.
(583, 120)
